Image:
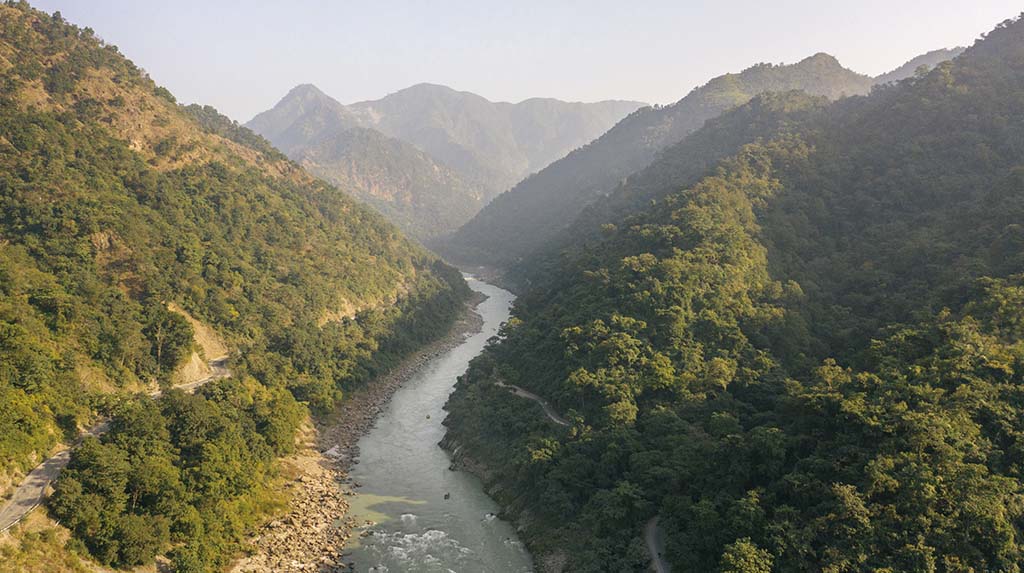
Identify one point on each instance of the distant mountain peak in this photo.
(453, 140)
(306, 94)
(822, 57)
(305, 91)
(428, 86)
(928, 60)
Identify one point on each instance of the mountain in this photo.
(526, 217)
(440, 139)
(928, 60)
(494, 143)
(679, 165)
(423, 197)
(685, 162)
(302, 115)
(420, 196)
(802, 350)
(133, 226)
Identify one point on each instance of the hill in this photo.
(685, 162)
(928, 60)
(808, 356)
(121, 209)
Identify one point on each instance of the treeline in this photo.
(117, 202)
(806, 356)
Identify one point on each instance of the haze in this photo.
(241, 57)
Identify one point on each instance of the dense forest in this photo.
(796, 338)
(118, 202)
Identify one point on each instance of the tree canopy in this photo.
(118, 202)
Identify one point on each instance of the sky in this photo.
(243, 56)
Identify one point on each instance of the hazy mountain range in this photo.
(436, 155)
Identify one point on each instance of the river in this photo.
(405, 477)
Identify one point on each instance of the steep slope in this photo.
(677, 166)
(929, 60)
(524, 218)
(424, 198)
(683, 163)
(808, 357)
(120, 205)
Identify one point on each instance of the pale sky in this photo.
(243, 56)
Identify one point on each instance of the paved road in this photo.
(656, 546)
(219, 369)
(32, 490)
(543, 403)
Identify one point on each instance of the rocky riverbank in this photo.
(312, 532)
(546, 561)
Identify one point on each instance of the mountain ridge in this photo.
(459, 127)
(472, 144)
(525, 217)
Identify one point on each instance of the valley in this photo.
(773, 326)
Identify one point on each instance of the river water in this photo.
(405, 477)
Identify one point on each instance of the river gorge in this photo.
(426, 517)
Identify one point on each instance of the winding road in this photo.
(656, 546)
(652, 534)
(31, 492)
(552, 415)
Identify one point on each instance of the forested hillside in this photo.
(679, 165)
(519, 221)
(117, 202)
(808, 356)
